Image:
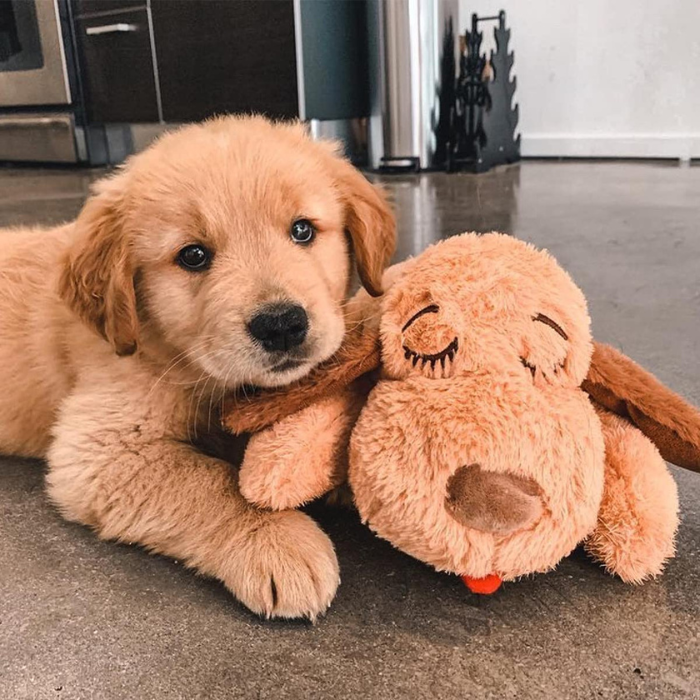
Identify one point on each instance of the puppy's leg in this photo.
(638, 516)
(302, 456)
(135, 483)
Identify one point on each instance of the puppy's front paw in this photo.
(286, 567)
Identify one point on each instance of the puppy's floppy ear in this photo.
(619, 384)
(97, 280)
(370, 223)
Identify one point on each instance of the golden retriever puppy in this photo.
(218, 258)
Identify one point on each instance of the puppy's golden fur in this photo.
(113, 358)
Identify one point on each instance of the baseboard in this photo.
(682, 146)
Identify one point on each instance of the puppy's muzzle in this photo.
(280, 327)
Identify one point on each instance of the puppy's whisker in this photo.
(198, 397)
(192, 426)
(222, 390)
(350, 329)
(211, 403)
(171, 365)
(189, 407)
(202, 395)
(178, 359)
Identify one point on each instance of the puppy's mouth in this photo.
(442, 357)
(286, 365)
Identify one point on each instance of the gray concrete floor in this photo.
(85, 619)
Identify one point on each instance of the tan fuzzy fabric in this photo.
(303, 456)
(477, 451)
(622, 386)
(411, 439)
(473, 375)
(638, 515)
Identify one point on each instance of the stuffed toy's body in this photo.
(477, 450)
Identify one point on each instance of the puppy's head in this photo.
(230, 243)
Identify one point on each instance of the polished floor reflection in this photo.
(82, 619)
(437, 205)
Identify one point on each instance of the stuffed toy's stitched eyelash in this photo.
(532, 368)
(448, 353)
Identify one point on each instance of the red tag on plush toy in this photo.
(484, 586)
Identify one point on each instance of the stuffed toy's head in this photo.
(477, 451)
(485, 303)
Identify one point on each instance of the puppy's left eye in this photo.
(302, 232)
(194, 257)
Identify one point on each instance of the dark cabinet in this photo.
(185, 60)
(225, 56)
(118, 75)
(91, 7)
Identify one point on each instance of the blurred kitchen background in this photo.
(90, 81)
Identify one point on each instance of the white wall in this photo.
(604, 77)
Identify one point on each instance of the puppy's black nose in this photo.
(280, 327)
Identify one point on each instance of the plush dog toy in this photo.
(479, 450)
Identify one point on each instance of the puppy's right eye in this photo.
(194, 257)
(302, 232)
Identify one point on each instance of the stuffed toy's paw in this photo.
(300, 457)
(638, 519)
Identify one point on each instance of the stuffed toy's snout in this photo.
(493, 502)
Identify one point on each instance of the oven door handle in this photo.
(116, 28)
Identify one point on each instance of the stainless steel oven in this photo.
(33, 68)
(37, 107)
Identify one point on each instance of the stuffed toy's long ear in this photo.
(358, 355)
(619, 384)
